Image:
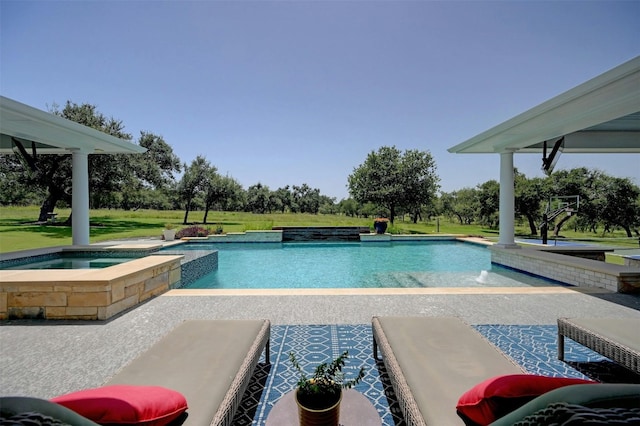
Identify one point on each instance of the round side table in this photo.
(355, 410)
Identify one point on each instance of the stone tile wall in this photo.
(568, 269)
(87, 294)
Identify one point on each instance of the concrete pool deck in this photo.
(49, 358)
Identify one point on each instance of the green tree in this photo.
(156, 167)
(488, 202)
(193, 183)
(150, 175)
(583, 183)
(394, 180)
(348, 207)
(306, 199)
(212, 188)
(328, 205)
(275, 202)
(462, 204)
(286, 198)
(224, 194)
(13, 191)
(622, 206)
(257, 198)
(530, 194)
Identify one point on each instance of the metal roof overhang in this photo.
(50, 134)
(601, 115)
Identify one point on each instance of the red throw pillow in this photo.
(126, 405)
(498, 396)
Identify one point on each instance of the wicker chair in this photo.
(615, 338)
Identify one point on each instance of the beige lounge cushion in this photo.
(440, 359)
(623, 331)
(199, 359)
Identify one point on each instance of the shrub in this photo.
(192, 231)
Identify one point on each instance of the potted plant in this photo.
(380, 224)
(169, 233)
(318, 397)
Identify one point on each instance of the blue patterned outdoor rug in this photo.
(532, 347)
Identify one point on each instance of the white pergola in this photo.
(601, 115)
(39, 132)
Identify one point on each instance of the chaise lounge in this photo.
(209, 361)
(431, 362)
(616, 338)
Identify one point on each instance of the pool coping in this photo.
(388, 291)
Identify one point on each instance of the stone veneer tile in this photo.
(86, 287)
(105, 312)
(132, 290)
(26, 312)
(56, 311)
(34, 288)
(23, 300)
(84, 311)
(117, 291)
(90, 299)
(174, 276)
(155, 282)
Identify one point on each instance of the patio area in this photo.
(49, 358)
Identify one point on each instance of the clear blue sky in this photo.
(292, 92)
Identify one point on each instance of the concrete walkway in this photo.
(45, 359)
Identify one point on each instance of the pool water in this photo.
(356, 265)
(72, 263)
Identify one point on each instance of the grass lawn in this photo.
(18, 230)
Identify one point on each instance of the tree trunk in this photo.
(416, 217)
(206, 212)
(556, 229)
(392, 213)
(186, 212)
(532, 225)
(48, 205)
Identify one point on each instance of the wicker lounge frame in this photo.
(432, 361)
(615, 338)
(209, 361)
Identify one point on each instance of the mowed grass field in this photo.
(20, 231)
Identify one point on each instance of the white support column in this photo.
(507, 201)
(80, 198)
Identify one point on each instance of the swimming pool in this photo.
(356, 265)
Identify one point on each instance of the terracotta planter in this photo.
(319, 417)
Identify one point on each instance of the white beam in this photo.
(507, 201)
(80, 198)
